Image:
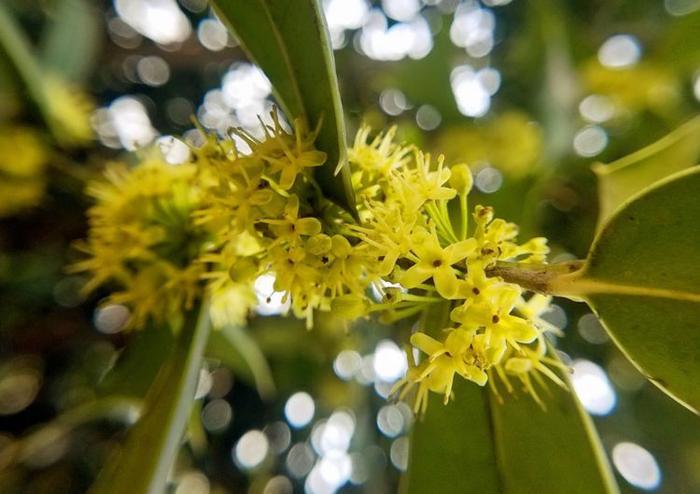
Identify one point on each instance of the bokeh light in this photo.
(346, 364)
(192, 482)
(488, 179)
(279, 485)
(299, 409)
(380, 41)
(279, 436)
(472, 29)
(153, 71)
(399, 453)
(636, 465)
(590, 141)
(593, 387)
(111, 318)
(212, 34)
(619, 51)
(591, 330)
(300, 460)
(124, 123)
(597, 108)
(390, 420)
(473, 89)
(251, 449)
(160, 20)
(389, 362)
(217, 415)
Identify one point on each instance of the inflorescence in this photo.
(167, 235)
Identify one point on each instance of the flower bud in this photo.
(461, 178)
(319, 244)
(244, 269)
(349, 307)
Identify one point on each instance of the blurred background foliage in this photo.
(529, 94)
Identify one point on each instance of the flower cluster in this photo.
(263, 206)
(244, 206)
(23, 160)
(415, 218)
(142, 238)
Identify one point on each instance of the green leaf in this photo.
(642, 278)
(289, 41)
(70, 43)
(59, 104)
(237, 349)
(540, 451)
(137, 366)
(680, 47)
(452, 448)
(478, 444)
(19, 52)
(142, 465)
(621, 179)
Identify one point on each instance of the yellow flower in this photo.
(291, 227)
(528, 364)
(166, 235)
(142, 238)
(388, 231)
(23, 159)
(69, 111)
(417, 185)
(230, 303)
(434, 261)
(379, 156)
(492, 313)
(372, 161)
(287, 154)
(532, 310)
(437, 373)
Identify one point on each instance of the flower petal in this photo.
(415, 275)
(425, 343)
(456, 252)
(445, 282)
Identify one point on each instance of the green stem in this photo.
(464, 216)
(540, 278)
(442, 222)
(142, 465)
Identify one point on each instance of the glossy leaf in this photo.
(452, 448)
(142, 465)
(290, 42)
(642, 278)
(478, 444)
(621, 179)
(539, 451)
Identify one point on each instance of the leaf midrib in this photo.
(582, 286)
